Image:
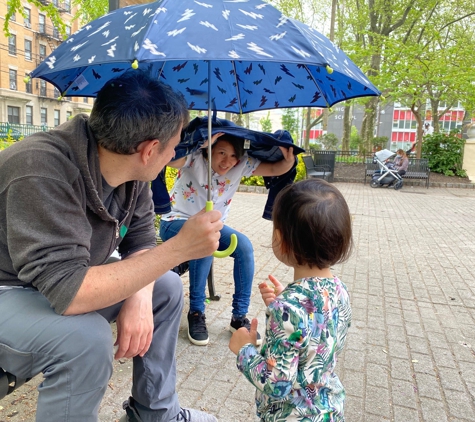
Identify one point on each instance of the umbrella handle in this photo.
(232, 246)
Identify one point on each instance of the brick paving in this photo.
(410, 354)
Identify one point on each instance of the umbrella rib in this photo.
(237, 86)
(316, 84)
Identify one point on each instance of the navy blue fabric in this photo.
(263, 146)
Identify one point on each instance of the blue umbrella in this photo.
(228, 55)
(236, 55)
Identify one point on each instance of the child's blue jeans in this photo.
(199, 268)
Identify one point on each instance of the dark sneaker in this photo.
(185, 415)
(131, 414)
(197, 331)
(238, 322)
(192, 415)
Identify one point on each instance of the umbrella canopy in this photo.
(226, 55)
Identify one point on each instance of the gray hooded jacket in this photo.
(53, 224)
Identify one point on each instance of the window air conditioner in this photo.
(27, 25)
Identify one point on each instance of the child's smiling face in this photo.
(223, 157)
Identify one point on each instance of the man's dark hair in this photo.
(235, 141)
(315, 223)
(134, 108)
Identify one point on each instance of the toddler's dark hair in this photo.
(314, 222)
(236, 142)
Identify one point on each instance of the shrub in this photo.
(445, 153)
(329, 141)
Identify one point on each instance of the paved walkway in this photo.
(410, 354)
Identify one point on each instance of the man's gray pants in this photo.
(75, 354)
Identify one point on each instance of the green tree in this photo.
(266, 123)
(329, 140)
(87, 10)
(355, 140)
(290, 121)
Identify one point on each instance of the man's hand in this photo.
(135, 324)
(242, 337)
(200, 235)
(269, 293)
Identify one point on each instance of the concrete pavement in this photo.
(410, 354)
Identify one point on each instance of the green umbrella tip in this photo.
(329, 69)
(135, 64)
(26, 79)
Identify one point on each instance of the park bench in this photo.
(418, 169)
(327, 159)
(315, 171)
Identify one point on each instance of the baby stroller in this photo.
(387, 175)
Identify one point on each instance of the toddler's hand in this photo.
(242, 337)
(269, 293)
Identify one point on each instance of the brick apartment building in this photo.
(32, 39)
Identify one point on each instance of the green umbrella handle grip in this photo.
(232, 246)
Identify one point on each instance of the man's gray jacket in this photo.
(53, 223)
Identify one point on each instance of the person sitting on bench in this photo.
(69, 198)
(229, 163)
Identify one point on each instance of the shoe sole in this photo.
(258, 341)
(198, 342)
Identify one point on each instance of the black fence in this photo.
(343, 156)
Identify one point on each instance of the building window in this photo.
(56, 94)
(44, 116)
(12, 44)
(13, 114)
(69, 115)
(13, 16)
(85, 99)
(67, 5)
(41, 24)
(55, 32)
(43, 88)
(28, 86)
(68, 30)
(27, 18)
(56, 117)
(42, 52)
(28, 49)
(29, 115)
(13, 85)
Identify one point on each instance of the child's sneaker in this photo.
(197, 331)
(185, 415)
(192, 415)
(238, 322)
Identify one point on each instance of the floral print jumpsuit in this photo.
(306, 328)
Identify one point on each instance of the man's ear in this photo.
(147, 148)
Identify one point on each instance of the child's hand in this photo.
(269, 293)
(214, 138)
(242, 337)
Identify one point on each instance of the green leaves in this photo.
(445, 153)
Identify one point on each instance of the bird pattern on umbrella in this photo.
(244, 54)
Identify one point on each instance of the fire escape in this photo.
(53, 38)
(49, 32)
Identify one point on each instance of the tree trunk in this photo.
(347, 118)
(418, 112)
(307, 130)
(367, 127)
